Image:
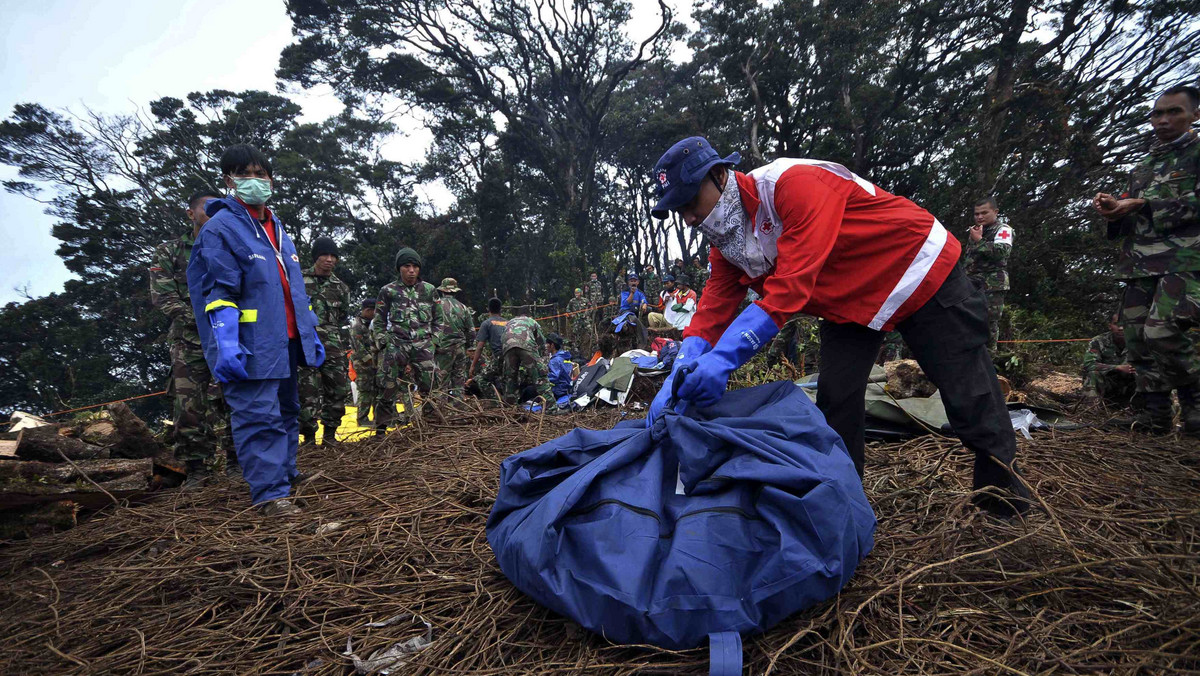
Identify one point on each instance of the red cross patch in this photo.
(1004, 235)
(662, 179)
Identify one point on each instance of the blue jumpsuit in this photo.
(234, 264)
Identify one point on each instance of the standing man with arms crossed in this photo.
(986, 259)
(809, 235)
(199, 409)
(247, 291)
(1158, 221)
(324, 390)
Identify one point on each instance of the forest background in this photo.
(547, 117)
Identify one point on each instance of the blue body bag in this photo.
(716, 523)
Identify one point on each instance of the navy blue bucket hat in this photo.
(680, 171)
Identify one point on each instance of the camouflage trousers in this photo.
(323, 393)
(201, 418)
(452, 365)
(581, 335)
(525, 375)
(1112, 385)
(405, 363)
(490, 374)
(1157, 313)
(365, 383)
(995, 305)
(797, 341)
(893, 347)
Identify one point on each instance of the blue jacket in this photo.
(233, 265)
(560, 373)
(632, 302)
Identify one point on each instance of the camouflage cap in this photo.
(449, 285)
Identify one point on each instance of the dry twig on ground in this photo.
(1106, 581)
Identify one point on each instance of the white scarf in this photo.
(730, 230)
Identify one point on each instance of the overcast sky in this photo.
(113, 56)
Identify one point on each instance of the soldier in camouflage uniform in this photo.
(1105, 373)
(200, 418)
(325, 389)
(798, 341)
(985, 259)
(524, 368)
(581, 325)
(1159, 222)
(365, 358)
(407, 318)
(652, 286)
(700, 275)
(489, 345)
(458, 330)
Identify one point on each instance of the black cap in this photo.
(368, 303)
(555, 340)
(324, 246)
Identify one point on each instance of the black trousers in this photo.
(948, 337)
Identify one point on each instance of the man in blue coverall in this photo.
(255, 325)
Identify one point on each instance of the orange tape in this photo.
(84, 408)
(1047, 340)
(577, 312)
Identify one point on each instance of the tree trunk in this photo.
(134, 438)
(45, 444)
(28, 483)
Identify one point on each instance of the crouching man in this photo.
(247, 291)
(810, 236)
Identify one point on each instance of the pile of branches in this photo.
(50, 473)
(1103, 579)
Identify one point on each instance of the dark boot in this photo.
(329, 436)
(1189, 404)
(308, 435)
(1155, 416)
(198, 475)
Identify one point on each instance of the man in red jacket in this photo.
(810, 236)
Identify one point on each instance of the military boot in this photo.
(1155, 417)
(198, 475)
(1189, 404)
(329, 436)
(308, 435)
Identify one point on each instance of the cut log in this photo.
(33, 520)
(44, 444)
(134, 438)
(27, 483)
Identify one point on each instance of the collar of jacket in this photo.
(748, 191)
(1182, 141)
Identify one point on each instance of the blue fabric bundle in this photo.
(726, 519)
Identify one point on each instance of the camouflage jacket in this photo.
(652, 287)
(700, 278)
(594, 293)
(329, 298)
(366, 350)
(525, 333)
(169, 288)
(1103, 354)
(986, 261)
(411, 314)
(579, 305)
(458, 326)
(1164, 236)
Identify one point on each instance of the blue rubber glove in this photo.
(689, 350)
(320, 349)
(748, 334)
(231, 356)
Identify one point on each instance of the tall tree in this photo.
(548, 69)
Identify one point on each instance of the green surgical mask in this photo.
(253, 191)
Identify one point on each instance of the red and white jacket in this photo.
(840, 248)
